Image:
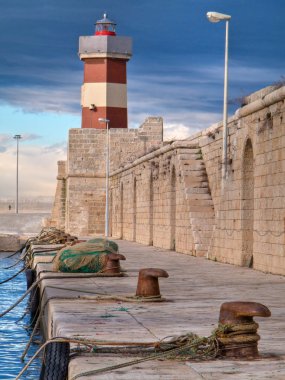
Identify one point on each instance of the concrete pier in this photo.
(194, 292)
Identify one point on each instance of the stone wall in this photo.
(170, 195)
(250, 215)
(57, 218)
(82, 209)
(163, 199)
(9, 242)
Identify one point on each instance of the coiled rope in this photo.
(189, 345)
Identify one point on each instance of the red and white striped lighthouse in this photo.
(104, 89)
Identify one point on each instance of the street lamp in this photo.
(217, 17)
(17, 138)
(107, 121)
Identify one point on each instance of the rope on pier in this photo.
(16, 263)
(183, 347)
(14, 253)
(189, 345)
(97, 297)
(36, 283)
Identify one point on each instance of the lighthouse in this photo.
(104, 90)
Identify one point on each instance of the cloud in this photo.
(56, 94)
(30, 136)
(4, 138)
(37, 170)
(191, 97)
(7, 140)
(58, 149)
(175, 132)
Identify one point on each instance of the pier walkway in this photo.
(194, 292)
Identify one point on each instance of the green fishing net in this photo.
(87, 257)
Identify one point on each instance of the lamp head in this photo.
(102, 120)
(217, 17)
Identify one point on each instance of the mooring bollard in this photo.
(113, 263)
(148, 285)
(238, 332)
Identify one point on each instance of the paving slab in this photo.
(194, 291)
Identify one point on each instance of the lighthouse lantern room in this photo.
(105, 27)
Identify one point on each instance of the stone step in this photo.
(188, 150)
(198, 198)
(189, 156)
(193, 177)
(193, 180)
(193, 163)
(204, 203)
(188, 170)
(197, 184)
(197, 190)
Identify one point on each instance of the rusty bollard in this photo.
(238, 337)
(113, 263)
(148, 285)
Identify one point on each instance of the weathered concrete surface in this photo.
(9, 242)
(195, 290)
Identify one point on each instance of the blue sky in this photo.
(176, 70)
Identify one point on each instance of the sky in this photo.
(176, 71)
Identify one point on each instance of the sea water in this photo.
(15, 335)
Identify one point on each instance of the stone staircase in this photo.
(198, 196)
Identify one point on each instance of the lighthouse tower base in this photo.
(79, 206)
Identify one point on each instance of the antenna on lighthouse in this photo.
(105, 26)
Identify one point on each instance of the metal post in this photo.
(225, 112)
(17, 138)
(107, 179)
(107, 121)
(217, 17)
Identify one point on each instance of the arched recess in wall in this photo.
(122, 211)
(172, 209)
(134, 209)
(247, 204)
(151, 209)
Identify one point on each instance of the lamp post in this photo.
(217, 17)
(107, 121)
(17, 138)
